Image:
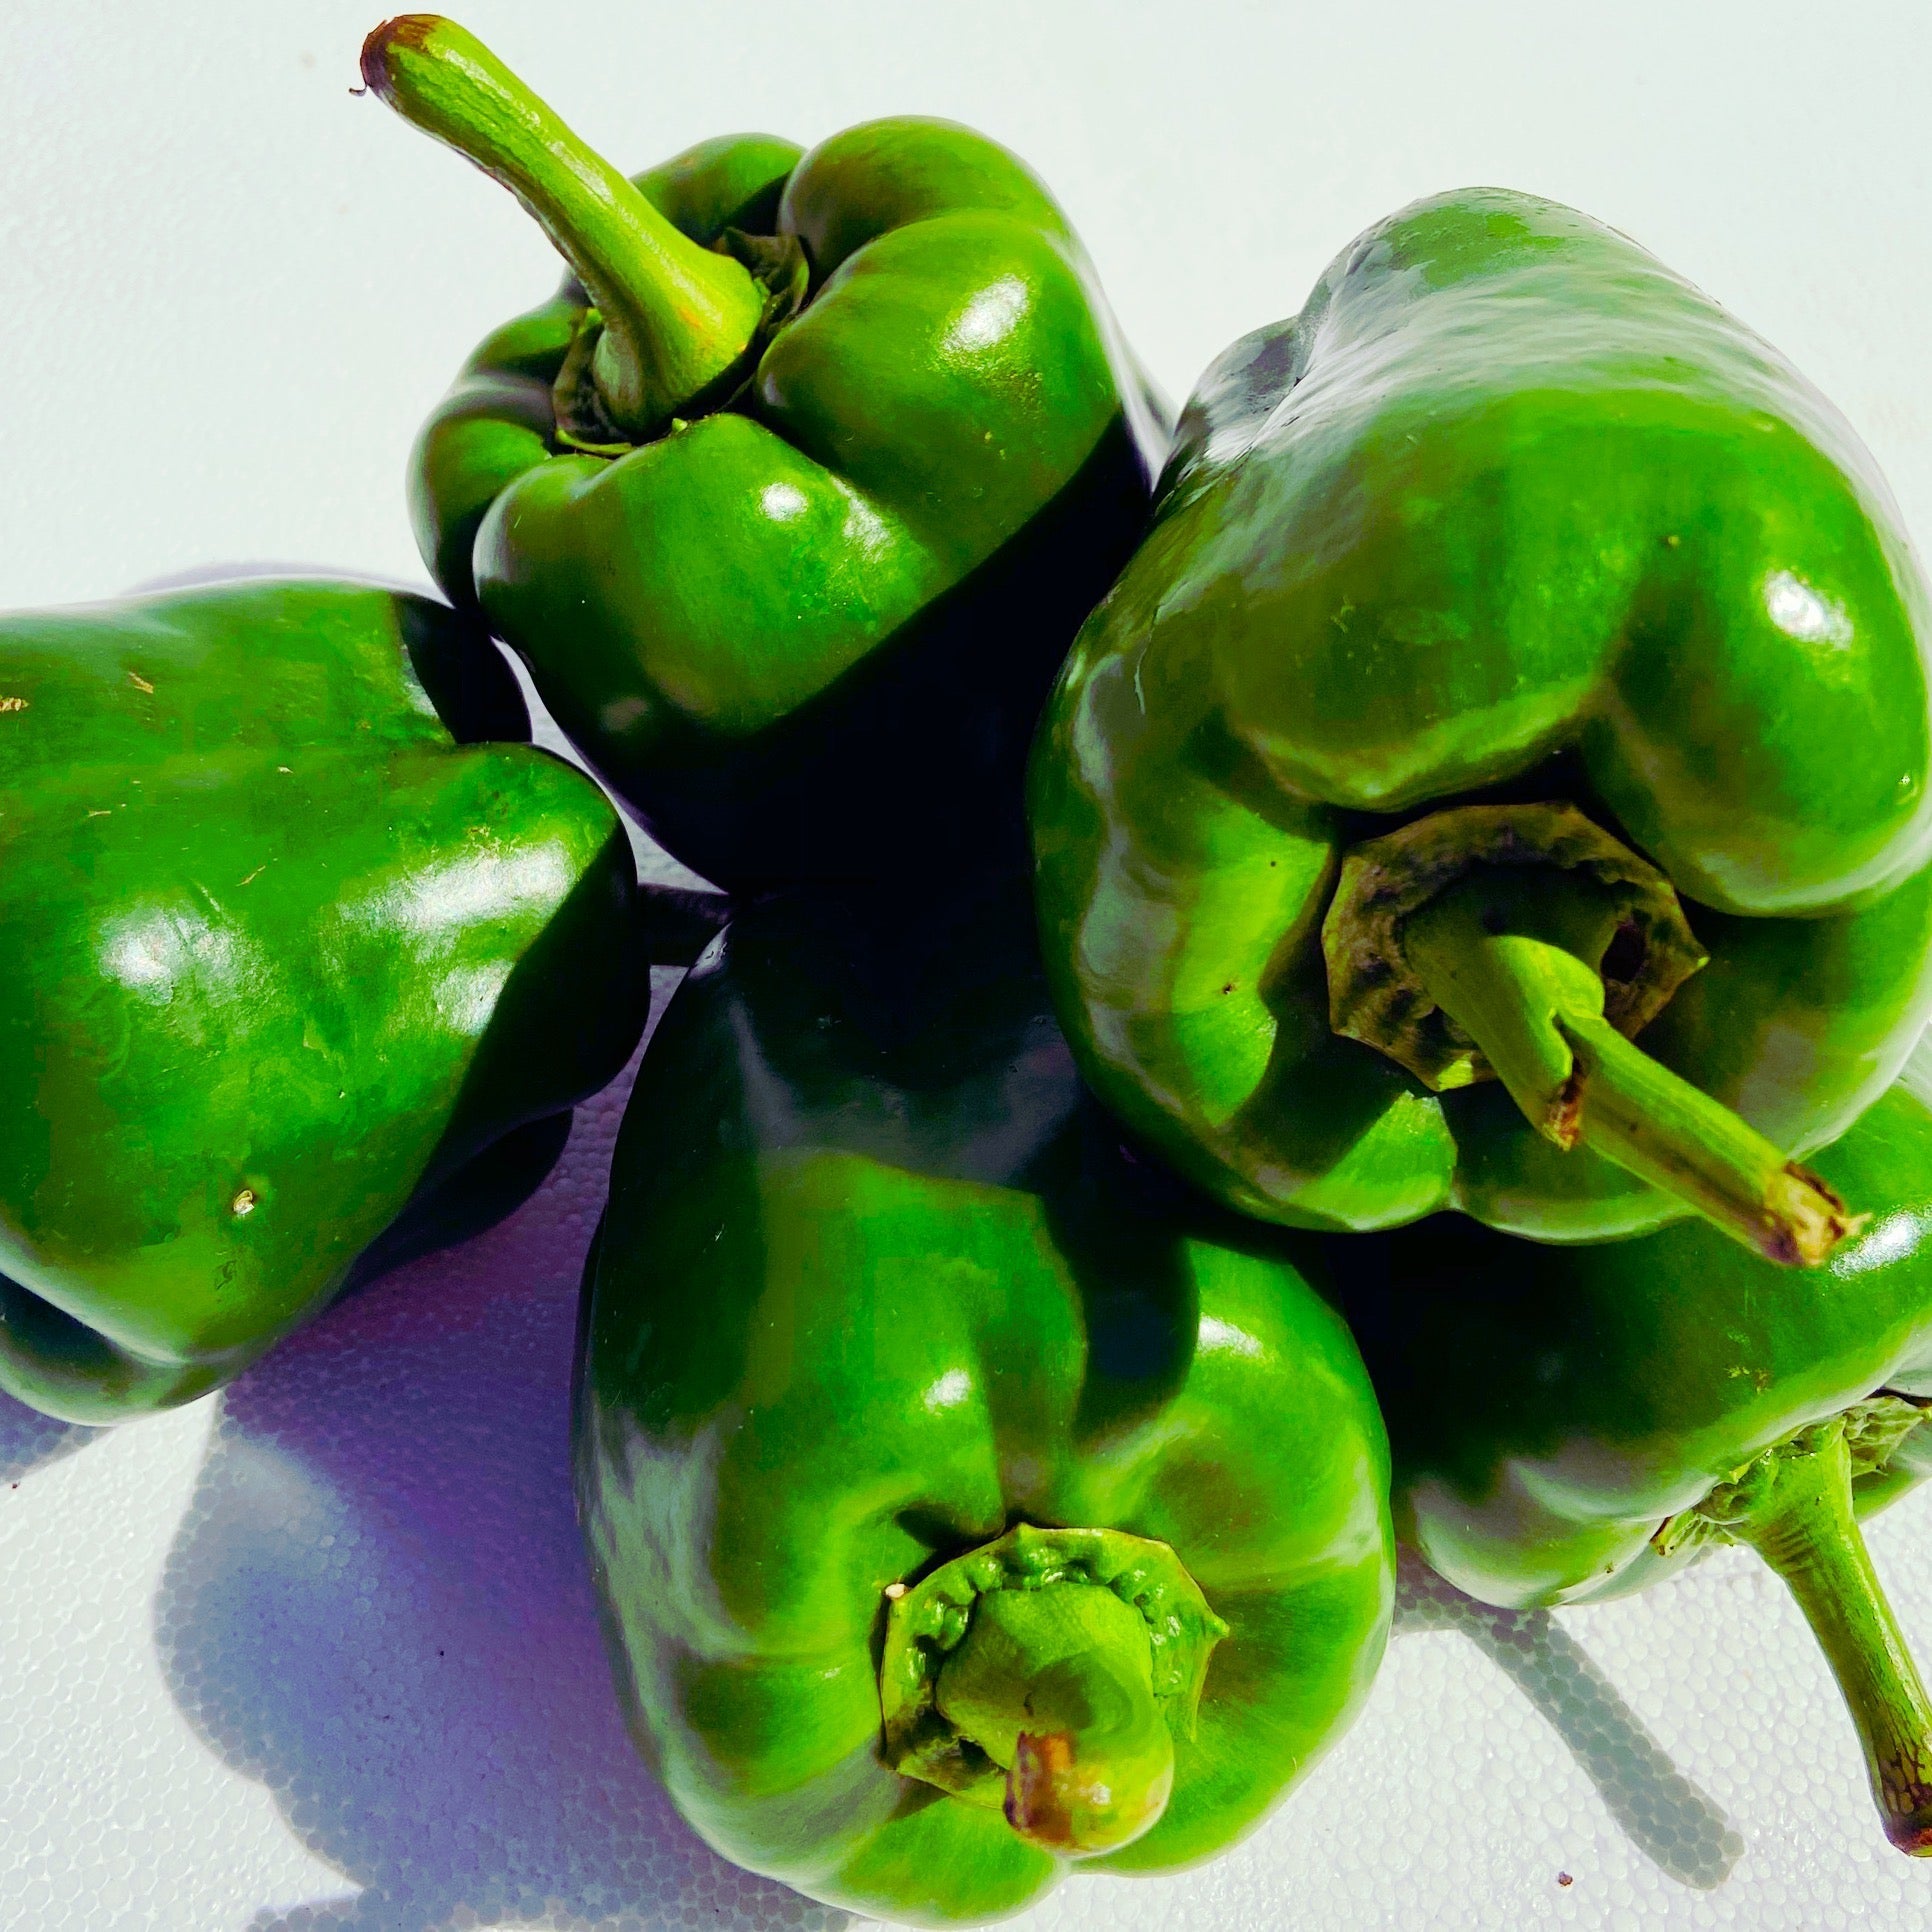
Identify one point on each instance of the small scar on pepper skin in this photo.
(1563, 1124)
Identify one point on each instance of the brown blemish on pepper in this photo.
(1034, 1790)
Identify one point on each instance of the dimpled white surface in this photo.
(320, 1652)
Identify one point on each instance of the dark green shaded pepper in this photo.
(794, 497)
(299, 977)
(965, 1497)
(1570, 1424)
(1524, 658)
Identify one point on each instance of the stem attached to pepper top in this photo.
(1056, 1686)
(1806, 1530)
(1046, 1675)
(678, 320)
(1512, 958)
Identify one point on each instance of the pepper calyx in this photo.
(1376, 996)
(780, 267)
(582, 425)
(1524, 941)
(1046, 1674)
(1873, 1431)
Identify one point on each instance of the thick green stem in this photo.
(678, 320)
(1513, 960)
(1806, 1530)
(1664, 1130)
(1055, 1685)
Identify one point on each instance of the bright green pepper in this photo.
(1523, 656)
(795, 495)
(1579, 1423)
(965, 1497)
(299, 976)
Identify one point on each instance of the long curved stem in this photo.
(678, 320)
(1808, 1533)
(1513, 964)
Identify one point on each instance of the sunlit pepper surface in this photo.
(966, 1498)
(1499, 781)
(297, 974)
(795, 495)
(1570, 1424)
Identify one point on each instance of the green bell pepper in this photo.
(296, 976)
(1523, 656)
(795, 495)
(1579, 1423)
(964, 1497)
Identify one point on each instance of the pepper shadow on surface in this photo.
(1681, 1831)
(28, 1439)
(377, 1605)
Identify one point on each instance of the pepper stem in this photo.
(1807, 1531)
(1046, 1675)
(1513, 959)
(1056, 1686)
(678, 320)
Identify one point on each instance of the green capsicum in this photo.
(298, 973)
(795, 495)
(965, 1498)
(1499, 781)
(1571, 1424)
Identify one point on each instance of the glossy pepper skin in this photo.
(1509, 518)
(1571, 1424)
(302, 971)
(803, 621)
(881, 1310)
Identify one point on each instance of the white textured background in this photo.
(320, 1653)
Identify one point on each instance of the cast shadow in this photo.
(377, 1606)
(29, 1439)
(1683, 1832)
